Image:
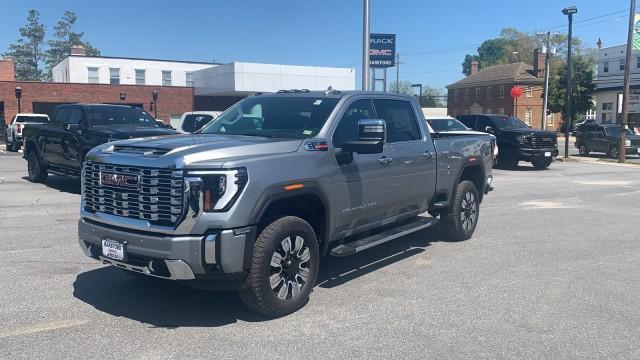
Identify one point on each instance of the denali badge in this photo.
(120, 180)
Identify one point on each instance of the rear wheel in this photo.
(542, 163)
(613, 151)
(461, 217)
(507, 158)
(37, 173)
(284, 268)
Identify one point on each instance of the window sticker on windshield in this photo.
(317, 102)
(307, 132)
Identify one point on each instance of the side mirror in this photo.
(371, 136)
(72, 126)
(489, 130)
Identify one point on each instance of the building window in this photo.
(140, 76)
(623, 62)
(114, 76)
(501, 111)
(489, 89)
(551, 119)
(605, 66)
(529, 91)
(607, 112)
(607, 106)
(92, 77)
(455, 94)
(477, 93)
(527, 116)
(466, 94)
(189, 75)
(501, 91)
(166, 78)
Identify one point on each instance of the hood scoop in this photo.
(145, 151)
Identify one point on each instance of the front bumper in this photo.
(218, 254)
(529, 154)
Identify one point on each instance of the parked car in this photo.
(516, 140)
(447, 125)
(193, 121)
(13, 135)
(254, 199)
(60, 147)
(604, 138)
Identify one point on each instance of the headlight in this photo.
(221, 188)
(627, 143)
(520, 139)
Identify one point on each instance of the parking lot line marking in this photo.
(32, 329)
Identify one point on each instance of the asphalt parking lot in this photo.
(553, 271)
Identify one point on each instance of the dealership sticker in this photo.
(317, 102)
(307, 132)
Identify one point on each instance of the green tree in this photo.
(404, 87)
(583, 86)
(28, 51)
(64, 38)
(432, 97)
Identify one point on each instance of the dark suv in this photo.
(516, 140)
(604, 138)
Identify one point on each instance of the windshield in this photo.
(509, 123)
(615, 131)
(440, 125)
(118, 116)
(32, 119)
(274, 116)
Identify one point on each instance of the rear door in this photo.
(71, 140)
(360, 193)
(413, 156)
(599, 139)
(51, 139)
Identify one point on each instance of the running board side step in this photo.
(422, 222)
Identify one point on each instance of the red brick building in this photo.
(487, 91)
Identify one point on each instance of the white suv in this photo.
(17, 124)
(194, 120)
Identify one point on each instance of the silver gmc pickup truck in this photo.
(257, 197)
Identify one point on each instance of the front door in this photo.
(414, 159)
(360, 186)
(71, 141)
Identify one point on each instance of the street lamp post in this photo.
(154, 96)
(18, 96)
(569, 11)
(419, 86)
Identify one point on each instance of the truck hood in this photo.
(193, 149)
(531, 132)
(128, 132)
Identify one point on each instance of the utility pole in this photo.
(624, 119)
(397, 72)
(546, 82)
(365, 46)
(569, 11)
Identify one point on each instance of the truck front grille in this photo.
(540, 142)
(155, 195)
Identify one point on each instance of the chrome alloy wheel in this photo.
(469, 211)
(289, 267)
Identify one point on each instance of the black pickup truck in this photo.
(60, 147)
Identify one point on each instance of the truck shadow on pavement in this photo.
(161, 303)
(61, 183)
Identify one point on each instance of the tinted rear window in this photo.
(32, 119)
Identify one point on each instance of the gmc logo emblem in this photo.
(119, 180)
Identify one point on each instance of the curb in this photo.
(598, 161)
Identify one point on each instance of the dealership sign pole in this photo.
(365, 46)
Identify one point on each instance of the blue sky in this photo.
(322, 33)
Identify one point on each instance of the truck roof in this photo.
(331, 93)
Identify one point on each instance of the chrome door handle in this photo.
(428, 155)
(385, 160)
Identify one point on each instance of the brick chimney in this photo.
(7, 70)
(78, 50)
(538, 63)
(474, 67)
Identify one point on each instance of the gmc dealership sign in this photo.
(382, 50)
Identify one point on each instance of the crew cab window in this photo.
(468, 121)
(347, 129)
(61, 117)
(400, 118)
(76, 116)
(483, 122)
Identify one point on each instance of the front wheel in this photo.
(461, 217)
(542, 163)
(613, 151)
(37, 173)
(284, 268)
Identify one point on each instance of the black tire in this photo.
(613, 151)
(11, 146)
(583, 150)
(460, 218)
(284, 297)
(37, 173)
(507, 158)
(542, 164)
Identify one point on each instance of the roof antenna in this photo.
(329, 90)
